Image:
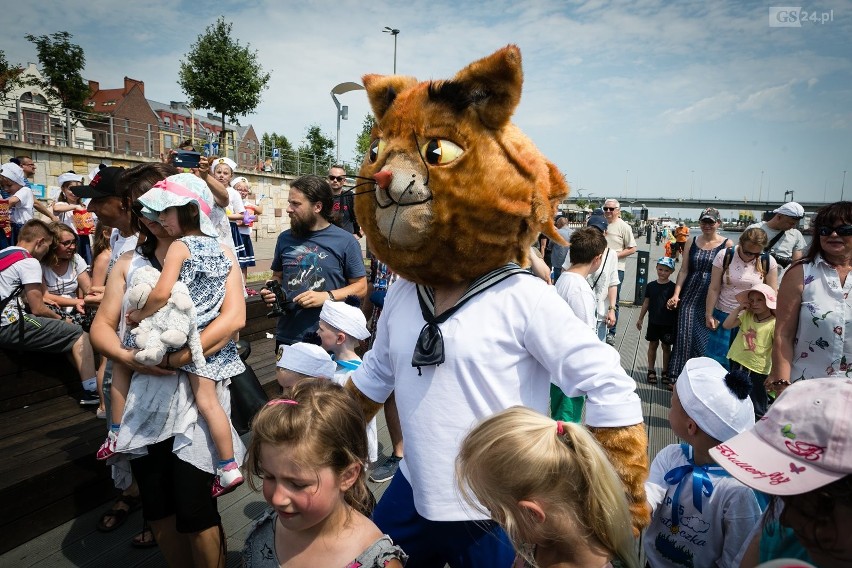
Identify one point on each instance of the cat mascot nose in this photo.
(383, 178)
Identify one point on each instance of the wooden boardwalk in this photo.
(78, 544)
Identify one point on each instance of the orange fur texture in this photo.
(627, 449)
(460, 190)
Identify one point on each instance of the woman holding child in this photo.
(174, 477)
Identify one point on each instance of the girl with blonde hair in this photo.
(552, 489)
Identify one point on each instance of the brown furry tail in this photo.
(368, 406)
(627, 449)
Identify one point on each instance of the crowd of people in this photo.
(737, 348)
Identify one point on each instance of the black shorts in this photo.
(170, 486)
(664, 333)
(678, 246)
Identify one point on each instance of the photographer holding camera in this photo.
(786, 243)
(314, 262)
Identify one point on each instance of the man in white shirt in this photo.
(39, 329)
(619, 238)
(786, 242)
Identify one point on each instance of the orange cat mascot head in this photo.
(459, 189)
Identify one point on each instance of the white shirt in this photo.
(708, 539)
(602, 279)
(575, 290)
(119, 245)
(503, 348)
(791, 242)
(22, 212)
(26, 271)
(65, 284)
(619, 236)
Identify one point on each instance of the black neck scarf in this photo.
(429, 349)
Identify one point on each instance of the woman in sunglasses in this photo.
(813, 330)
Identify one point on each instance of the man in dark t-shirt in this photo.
(314, 261)
(343, 207)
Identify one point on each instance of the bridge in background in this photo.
(675, 203)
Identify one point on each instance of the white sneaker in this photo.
(227, 479)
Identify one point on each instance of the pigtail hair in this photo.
(519, 454)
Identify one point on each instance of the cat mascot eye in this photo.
(439, 152)
(377, 146)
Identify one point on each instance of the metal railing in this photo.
(36, 123)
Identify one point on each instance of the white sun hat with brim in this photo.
(802, 443)
(177, 190)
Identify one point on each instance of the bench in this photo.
(49, 473)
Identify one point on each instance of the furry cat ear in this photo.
(383, 89)
(492, 85)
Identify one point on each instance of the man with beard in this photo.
(343, 208)
(314, 261)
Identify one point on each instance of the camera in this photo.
(279, 306)
(186, 159)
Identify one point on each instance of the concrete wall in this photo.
(269, 190)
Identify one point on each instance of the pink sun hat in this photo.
(804, 441)
(766, 290)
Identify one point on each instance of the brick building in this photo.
(125, 122)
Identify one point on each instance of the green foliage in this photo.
(362, 142)
(273, 140)
(219, 74)
(9, 76)
(61, 65)
(316, 150)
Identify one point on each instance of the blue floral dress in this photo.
(205, 273)
(692, 332)
(823, 343)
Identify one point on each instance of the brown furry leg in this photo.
(368, 406)
(627, 448)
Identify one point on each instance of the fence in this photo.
(35, 122)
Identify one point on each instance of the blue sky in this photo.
(644, 98)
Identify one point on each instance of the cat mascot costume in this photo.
(456, 195)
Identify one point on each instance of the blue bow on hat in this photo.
(702, 486)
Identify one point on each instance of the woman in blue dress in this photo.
(693, 283)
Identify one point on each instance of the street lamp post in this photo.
(394, 32)
(342, 111)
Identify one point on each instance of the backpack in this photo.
(729, 256)
(8, 258)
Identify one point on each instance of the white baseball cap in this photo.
(791, 209)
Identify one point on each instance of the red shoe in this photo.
(251, 292)
(107, 449)
(227, 479)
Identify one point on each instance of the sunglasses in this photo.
(841, 230)
(744, 252)
(610, 208)
(68, 243)
(336, 178)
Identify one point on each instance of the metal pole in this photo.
(843, 185)
(111, 135)
(69, 137)
(21, 120)
(394, 52)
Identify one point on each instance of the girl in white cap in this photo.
(71, 210)
(181, 203)
(702, 515)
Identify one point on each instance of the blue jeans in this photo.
(617, 300)
(432, 544)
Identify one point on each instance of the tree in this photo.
(315, 152)
(362, 142)
(61, 65)
(220, 74)
(270, 141)
(9, 76)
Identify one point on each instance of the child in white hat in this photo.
(801, 453)
(751, 350)
(702, 515)
(341, 329)
(302, 361)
